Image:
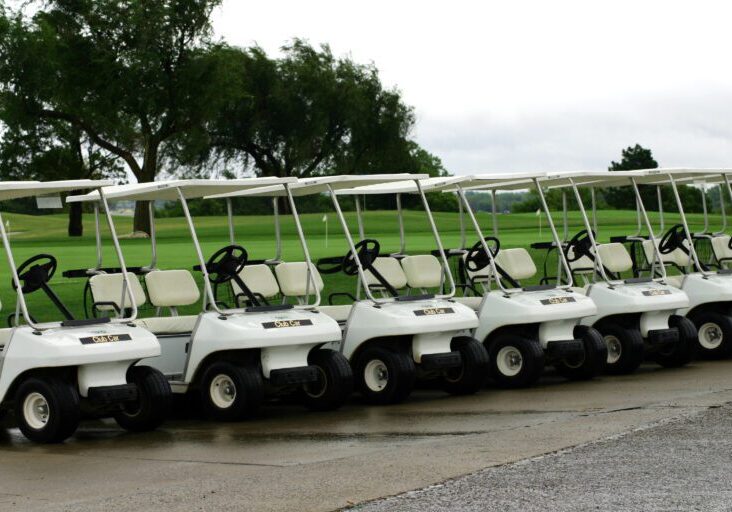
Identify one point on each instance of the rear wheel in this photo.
(592, 362)
(47, 409)
(682, 352)
(385, 376)
(153, 404)
(515, 361)
(334, 384)
(230, 392)
(472, 373)
(624, 348)
(715, 334)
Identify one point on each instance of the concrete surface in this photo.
(291, 459)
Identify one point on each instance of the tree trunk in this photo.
(76, 226)
(141, 220)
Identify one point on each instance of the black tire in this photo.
(515, 361)
(230, 392)
(681, 353)
(714, 334)
(624, 348)
(62, 409)
(153, 404)
(398, 375)
(472, 374)
(335, 382)
(592, 363)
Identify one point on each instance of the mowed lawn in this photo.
(33, 235)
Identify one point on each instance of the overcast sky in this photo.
(530, 84)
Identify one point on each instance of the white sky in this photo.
(530, 84)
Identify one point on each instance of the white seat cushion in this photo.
(259, 279)
(720, 246)
(293, 279)
(108, 288)
(582, 265)
(168, 324)
(171, 288)
(390, 269)
(471, 302)
(517, 263)
(422, 271)
(615, 257)
(677, 256)
(675, 281)
(338, 313)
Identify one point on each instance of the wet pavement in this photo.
(291, 459)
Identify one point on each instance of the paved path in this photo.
(296, 460)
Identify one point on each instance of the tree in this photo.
(633, 158)
(133, 76)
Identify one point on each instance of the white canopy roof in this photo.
(321, 184)
(18, 189)
(168, 190)
(622, 178)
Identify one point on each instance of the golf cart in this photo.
(637, 316)
(54, 373)
(232, 355)
(391, 336)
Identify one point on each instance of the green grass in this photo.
(47, 234)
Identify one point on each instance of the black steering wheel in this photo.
(579, 245)
(477, 259)
(226, 263)
(367, 250)
(33, 274)
(673, 239)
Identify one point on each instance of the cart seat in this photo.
(582, 290)
(676, 257)
(584, 265)
(338, 313)
(615, 257)
(106, 290)
(293, 279)
(390, 269)
(422, 271)
(259, 279)
(171, 288)
(720, 247)
(178, 324)
(517, 263)
(472, 302)
(675, 281)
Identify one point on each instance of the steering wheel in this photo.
(33, 274)
(673, 239)
(477, 259)
(226, 263)
(579, 245)
(367, 250)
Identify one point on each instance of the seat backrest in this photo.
(615, 257)
(583, 265)
(720, 246)
(108, 288)
(259, 279)
(677, 256)
(517, 263)
(171, 288)
(292, 278)
(390, 269)
(422, 271)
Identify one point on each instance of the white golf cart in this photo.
(637, 316)
(390, 338)
(54, 373)
(233, 355)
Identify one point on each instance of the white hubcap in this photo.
(35, 411)
(509, 361)
(222, 391)
(376, 375)
(710, 336)
(614, 349)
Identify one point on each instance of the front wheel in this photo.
(153, 404)
(515, 361)
(230, 392)
(47, 409)
(385, 376)
(334, 384)
(592, 362)
(624, 348)
(715, 334)
(472, 373)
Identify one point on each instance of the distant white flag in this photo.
(325, 218)
(538, 212)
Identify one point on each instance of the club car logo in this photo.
(557, 300)
(433, 311)
(105, 338)
(279, 324)
(656, 293)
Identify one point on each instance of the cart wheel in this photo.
(385, 376)
(682, 352)
(515, 361)
(472, 373)
(153, 404)
(592, 363)
(715, 334)
(624, 348)
(230, 392)
(47, 409)
(334, 384)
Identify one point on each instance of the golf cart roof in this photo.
(18, 189)
(620, 178)
(168, 190)
(321, 184)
